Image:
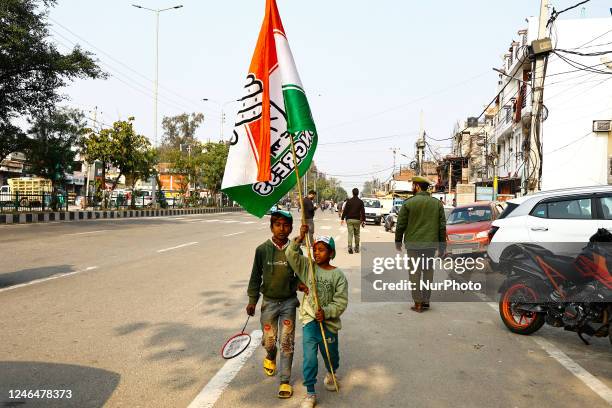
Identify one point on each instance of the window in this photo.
(541, 211)
(469, 215)
(577, 209)
(606, 207)
(371, 203)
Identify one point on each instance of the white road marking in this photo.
(235, 233)
(337, 238)
(325, 227)
(210, 220)
(176, 247)
(215, 387)
(247, 222)
(34, 282)
(229, 221)
(583, 375)
(88, 232)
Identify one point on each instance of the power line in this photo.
(584, 54)
(130, 82)
(376, 114)
(555, 14)
(581, 66)
(119, 62)
(368, 139)
(362, 174)
(570, 143)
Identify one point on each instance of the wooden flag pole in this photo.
(313, 279)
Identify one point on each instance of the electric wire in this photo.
(190, 101)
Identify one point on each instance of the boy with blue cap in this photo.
(274, 278)
(332, 290)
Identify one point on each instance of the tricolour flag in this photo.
(260, 168)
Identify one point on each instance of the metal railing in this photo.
(63, 202)
(33, 202)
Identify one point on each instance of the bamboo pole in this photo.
(313, 279)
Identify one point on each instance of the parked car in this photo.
(391, 219)
(144, 198)
(467, 228)
(373, 210)
(448, 209)
(566, 215)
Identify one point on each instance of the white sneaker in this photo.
(328, 381)
(309, 401)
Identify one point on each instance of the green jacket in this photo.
(421, 222)
(332, 289)
(271, 275)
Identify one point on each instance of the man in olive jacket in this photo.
(421, 225)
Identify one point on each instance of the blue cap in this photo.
(283, 213)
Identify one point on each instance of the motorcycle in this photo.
(563, 291)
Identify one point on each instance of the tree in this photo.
(32, 70)
(180, 130)
(121, 147)
(12, 139)
(50, 150)
(215, 157)
(367, 188)
(142, 167)
(98, 146)
(131, 153)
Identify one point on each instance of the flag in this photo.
(274, 108)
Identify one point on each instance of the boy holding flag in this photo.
(332, 290)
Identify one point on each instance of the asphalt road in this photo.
(133, 312)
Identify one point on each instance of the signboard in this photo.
(484, 193)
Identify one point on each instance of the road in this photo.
(133, 312)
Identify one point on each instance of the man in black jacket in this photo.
(309, 211)
(354, 214)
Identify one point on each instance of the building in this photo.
(471, 149)
(11, 166)
(576, 93)
(574, 155)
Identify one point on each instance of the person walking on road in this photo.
(273, 277)
(309, 211)
(421, 225)
(354, 214)
(332, 288)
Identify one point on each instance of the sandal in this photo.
(285, 391)
(269, 367)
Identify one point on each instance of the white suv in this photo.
(568, 215)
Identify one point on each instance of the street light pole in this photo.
(156, 86)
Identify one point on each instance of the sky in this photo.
(369, 68)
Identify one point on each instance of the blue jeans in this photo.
(279, 316)
(312, 343)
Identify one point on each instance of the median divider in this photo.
(68, 216)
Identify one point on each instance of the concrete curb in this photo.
(68, 216)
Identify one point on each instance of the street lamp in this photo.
(156, 61)
(222, 105)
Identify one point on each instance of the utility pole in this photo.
(450, 176)
(420, 147)
(533, 166)
(395, 150)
